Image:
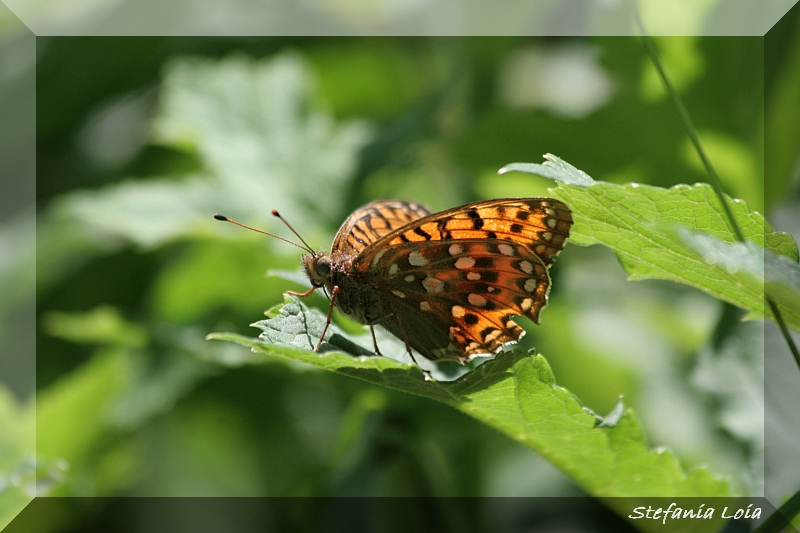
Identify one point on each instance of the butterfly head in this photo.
(318, 268)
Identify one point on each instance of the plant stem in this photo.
(778, 520)
(650, 46)
(784, 330)
(688, 124)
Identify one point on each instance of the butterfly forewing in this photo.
(454, 279)
(542, 224)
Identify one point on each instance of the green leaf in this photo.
(101, 325)
(514, 393)
(17, 457)
(554, 168)
(611, 214)
(254, 126)
(754, 267)
(639, 223)
(295, 326)
(73, 414)
(261, 143)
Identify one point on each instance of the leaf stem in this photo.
(784, 330)
(650, 46)
(778, 520)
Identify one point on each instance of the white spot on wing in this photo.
(526, 267)
(476, 300)
(424, 306)
(393, 269)
(398, 294)
(505, 249)
(457, 311)
(455, 249)
(433, 284)
(415, 259)
(492, 336)
(409, 278)
(530, 285)
(464, 263)
(473, 276)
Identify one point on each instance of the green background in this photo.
(141, 140)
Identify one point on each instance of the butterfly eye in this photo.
(323, 266)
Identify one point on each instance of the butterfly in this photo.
(447, 284)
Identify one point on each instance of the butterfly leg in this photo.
(328, 320)
(302, 294)
(375, 341)
(405, 339)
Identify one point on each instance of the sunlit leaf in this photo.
(638, 222)
(515, 393)
(554, 168)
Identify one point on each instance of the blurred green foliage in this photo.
(141, 140)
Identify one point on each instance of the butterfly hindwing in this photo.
(373, 221)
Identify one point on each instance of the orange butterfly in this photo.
(448, 283)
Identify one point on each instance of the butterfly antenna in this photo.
(226, 219)
(278, 215)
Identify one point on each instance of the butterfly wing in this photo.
(374, 221)
(543, 224)
(454, 279)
